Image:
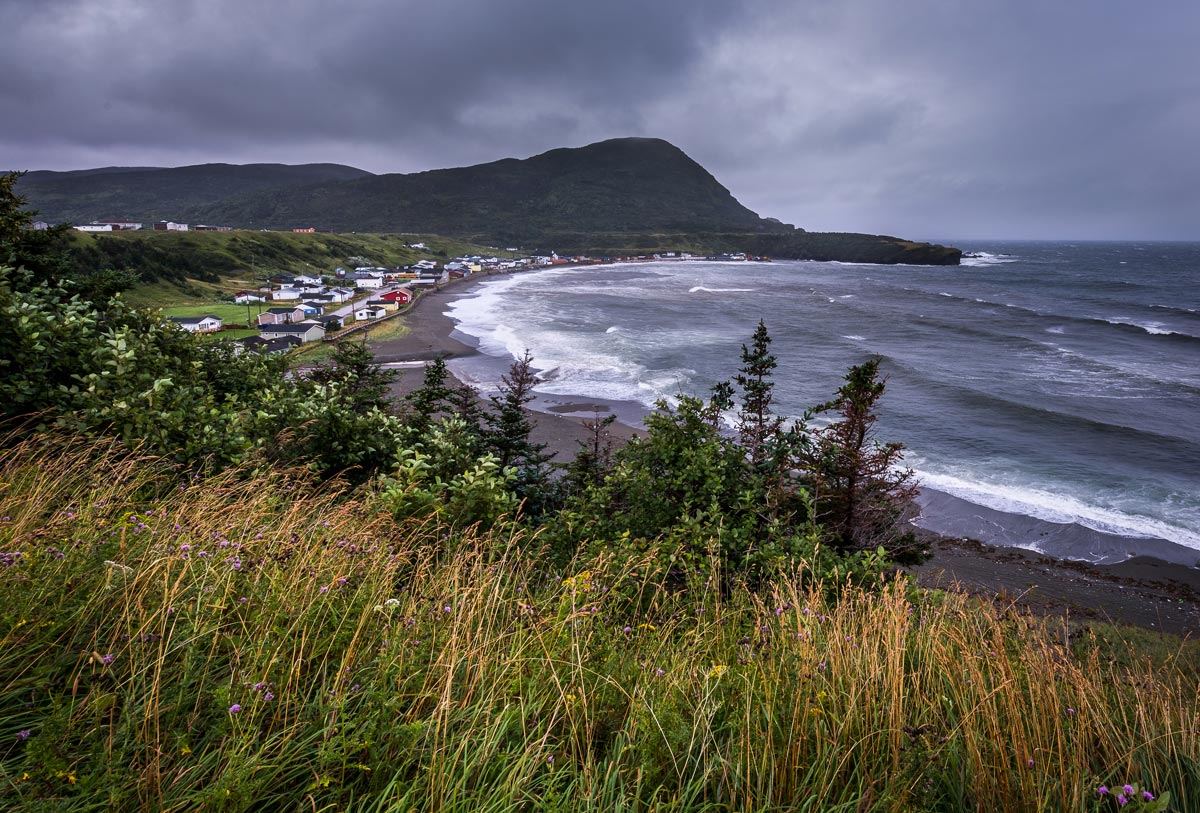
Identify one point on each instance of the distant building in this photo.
(94, 227)
(167, 225)
(304, 331)
(365, 280)
(401, 296)
(118, 224)
(197, 324)
(308, 230)
(281, 316)
(368, 313)
(387, 304)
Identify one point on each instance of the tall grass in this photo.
(250, 642)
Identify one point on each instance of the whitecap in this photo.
(1056, 507)
(978, 259)
(1153, 328)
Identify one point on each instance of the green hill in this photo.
(607, 196)
(622, 185)
(154, 193)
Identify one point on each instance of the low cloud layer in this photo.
(926, 119)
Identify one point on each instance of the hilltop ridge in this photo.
(622, 193)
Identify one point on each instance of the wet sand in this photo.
(1152, 593)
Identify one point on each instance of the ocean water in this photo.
(1048, 394)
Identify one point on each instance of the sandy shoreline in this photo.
(1145, 591)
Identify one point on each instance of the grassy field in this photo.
(390, 329)
(252, 641)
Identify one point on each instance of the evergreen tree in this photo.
(757, 427)
(593, 459)
(508, 428)
(438, 398)
(861, 490)
(363, 383)
(42, 256)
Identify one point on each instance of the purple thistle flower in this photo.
(268, 696)
(235, 708)
(1128, 790)
(1148, 796)
(109, 658)
(1030, 763)
(24, 734)
(1121, 800)
(1102, 790)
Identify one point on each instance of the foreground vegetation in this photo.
(250, 641)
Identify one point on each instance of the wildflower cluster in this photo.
(1131, 797)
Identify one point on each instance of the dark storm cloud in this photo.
(926, 118)
(427, 78)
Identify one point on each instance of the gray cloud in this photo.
(928, 118)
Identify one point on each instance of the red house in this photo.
(401, 296)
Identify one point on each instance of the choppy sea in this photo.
(1048, 394)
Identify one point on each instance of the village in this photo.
(291, 310)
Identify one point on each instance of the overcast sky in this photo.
(934, 119)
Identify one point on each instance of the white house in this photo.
(368, 281)
(242, 297)
(197, 324)
(94, 227)
(368, 313)
(286, 293)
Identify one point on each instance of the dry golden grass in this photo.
(249, 641)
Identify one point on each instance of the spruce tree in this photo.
(363, 382)
(756, 425)
(508, 429)
(862, 491)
